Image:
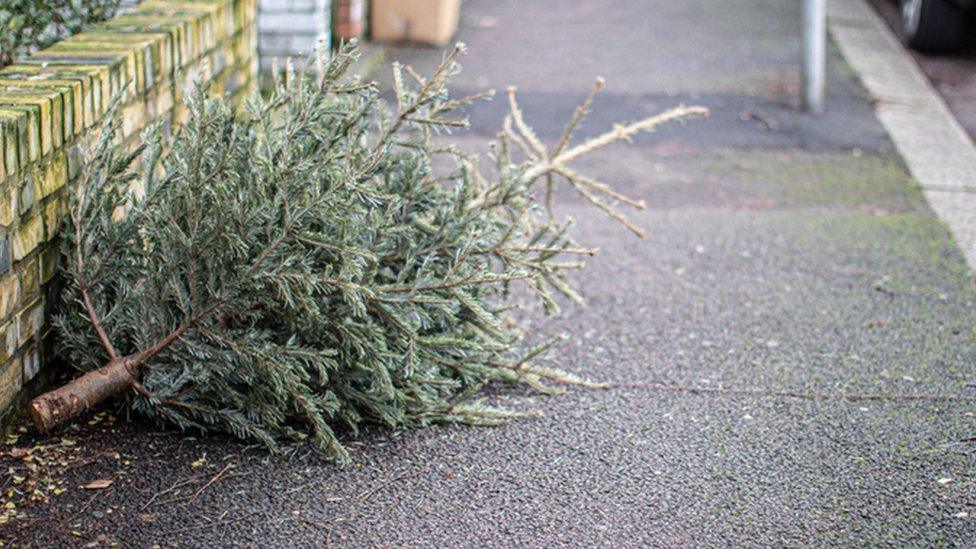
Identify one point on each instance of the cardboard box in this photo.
(425, 21)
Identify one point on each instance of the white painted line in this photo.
(939, 153)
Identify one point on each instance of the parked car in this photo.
(936, 25)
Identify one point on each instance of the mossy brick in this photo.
(196, 10)
(51, 105)
(160, 102)
(243, 44)
(49, 262)
(13, 336)
(72, 95)
(11, 381)
(186, 43)
(4, 255)
(88, 77)
(30, 321)
(233, 81)
(9, 294)
(9, 199)
(200, 31)
(10, 148)
(144, 58)
(25, 190)
(53, 176)
(27, 118)
(54, 212)
(75, 158)
(4, 351)
(157, 48)
(27, 236)
(221, 57)
(3, 148)
(30, 280)
(51, 113)
(16, 140)
(112, 73)
(176, 27)
(133, 59)
(32, 361)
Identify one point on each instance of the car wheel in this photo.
(933, 25)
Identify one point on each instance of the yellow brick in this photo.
(13, 336)
(81, 79)
(8, 205)
(30, 320)
(132, 57)
(134, 118)
(26, 237)
(3, 148)
(11, 148)
(54, 212)
(49, 262)
(180, 114)
(49, 110)
(28, 123)
(164, 100)
(30, 284)
(72, 92)
(32, 363)
(158, 62)
(4, 352)
(75, 158)
(26, 190)
(54, 177)
(10, 382)
(119, 63)
(9, 294)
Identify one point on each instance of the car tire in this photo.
(933, 25)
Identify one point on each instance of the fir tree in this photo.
(300, 267)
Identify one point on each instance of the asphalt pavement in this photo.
(791, 262)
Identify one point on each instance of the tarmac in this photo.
(793, 342)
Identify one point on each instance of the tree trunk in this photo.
(61, 404)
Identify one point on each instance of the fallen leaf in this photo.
(99, 484)
(18, 453)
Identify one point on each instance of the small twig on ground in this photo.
(87, 503)
(176, 485)
(755, 113)
(210, 482)
(667, 388)
(367, 494)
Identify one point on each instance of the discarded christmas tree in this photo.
(301, 267)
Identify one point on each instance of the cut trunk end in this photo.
(55, 407)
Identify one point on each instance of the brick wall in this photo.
(49, 105)
(291, 28)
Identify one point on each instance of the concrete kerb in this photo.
(939, 153)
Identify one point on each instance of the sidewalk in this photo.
(784, 253)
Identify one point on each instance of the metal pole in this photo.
(814, 54)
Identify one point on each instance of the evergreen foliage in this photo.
(300, 267)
